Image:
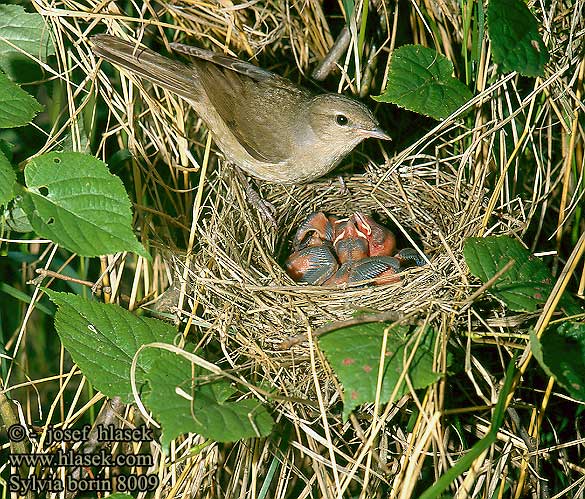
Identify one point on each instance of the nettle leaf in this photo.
(354, 355)
(528, 283)
(17, 108)
(75, 201)
(103, 338)
(28, 32)
(561, 354)
(185, 400)
(15, 217)
(421, 80)
(515, 42)
(7, 180)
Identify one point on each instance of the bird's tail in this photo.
(172, 75)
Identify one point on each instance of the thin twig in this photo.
(49, 273)
(329, 63)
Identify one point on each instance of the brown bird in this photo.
(263, 123)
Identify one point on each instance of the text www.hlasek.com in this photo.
(71, 458)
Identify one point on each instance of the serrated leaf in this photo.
(76, 202)
(421, 80)
(7, 149)
(184, 403)
(7, 180)
(561, 354)
(17, 108)
(354, 355)
(515, 42)
(528, 283)
(28, 32)
(103, 338)
(17, 220)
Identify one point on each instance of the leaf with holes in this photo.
(515, 42)
(184, 399)
(17, 108)
(561, 353)
(354, 354)
(7, 180)
(528, 283)
(103, 338)
(75, 201)
(421, 80)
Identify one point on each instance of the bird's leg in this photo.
(343, 190)
(264, 208)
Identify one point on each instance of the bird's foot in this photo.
(343, 189)
(265, 209)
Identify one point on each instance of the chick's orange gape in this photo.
(263, 123)
(329, 250)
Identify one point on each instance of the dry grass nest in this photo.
(238, 281)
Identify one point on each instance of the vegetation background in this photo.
(518, 147)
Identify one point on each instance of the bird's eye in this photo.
(341, 119)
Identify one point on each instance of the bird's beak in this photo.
(377, 133)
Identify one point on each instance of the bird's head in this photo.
(342, 122)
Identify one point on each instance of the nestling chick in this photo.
(381, 240)
(313, 231)
(409, 257)
(312, 265)
(378, 269)
(349, 243)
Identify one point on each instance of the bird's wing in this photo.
(226, 61)
(259, 107)
(170, 74)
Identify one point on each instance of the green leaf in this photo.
(16, 219)
(103, 338)
(515, 42)
(23, 297)
(348, 8)
(183, 400)
(26, 31)
(421, 80)
(7, 180)
(525, 286)
(561, 354)
(354, 355)
(75, 201)
(17, 108)
(7, 149)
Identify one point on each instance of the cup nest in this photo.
(237, 278)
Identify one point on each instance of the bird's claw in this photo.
(265, 209)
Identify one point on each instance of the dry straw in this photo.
(436, 192)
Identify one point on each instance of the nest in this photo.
(237, 274)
